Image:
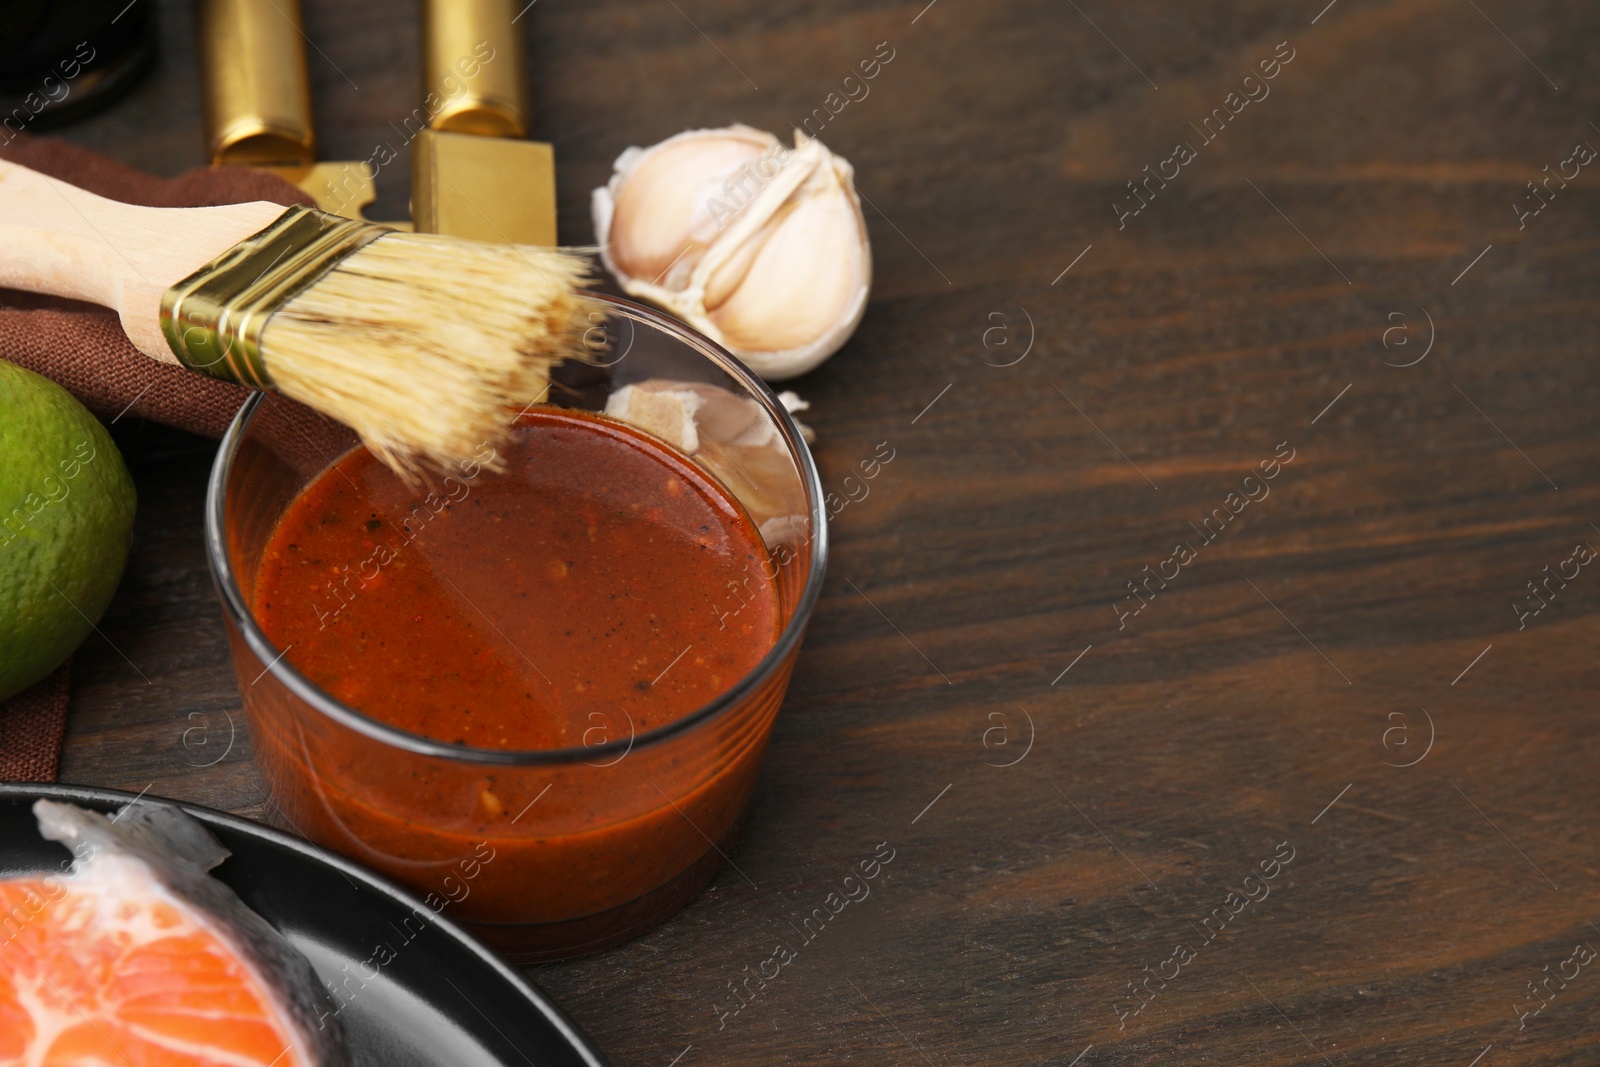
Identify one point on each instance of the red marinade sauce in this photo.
(525, 609)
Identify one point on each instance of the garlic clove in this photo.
(761, 247)
(812, 253)
(662, 408)
(731, 436)
(663, 188)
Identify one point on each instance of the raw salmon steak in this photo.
(137, 957)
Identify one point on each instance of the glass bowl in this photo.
(580, 848)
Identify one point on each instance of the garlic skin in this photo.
(731, 436)
(760, 247)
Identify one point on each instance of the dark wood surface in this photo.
(1358, 618)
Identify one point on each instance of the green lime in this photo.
(66, 518)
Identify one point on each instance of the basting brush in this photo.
(419, 343)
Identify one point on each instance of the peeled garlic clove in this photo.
(761, 247)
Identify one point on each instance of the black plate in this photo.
(441, 999)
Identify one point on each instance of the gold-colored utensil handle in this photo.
(475, 67)
(255, 92)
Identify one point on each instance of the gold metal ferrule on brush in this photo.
(213, 319)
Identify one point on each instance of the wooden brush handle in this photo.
(58, 239)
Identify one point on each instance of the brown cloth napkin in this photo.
(83, 347)
(31, 725)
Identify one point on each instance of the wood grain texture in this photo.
(1245, 307)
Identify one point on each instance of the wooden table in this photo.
(1349, 670)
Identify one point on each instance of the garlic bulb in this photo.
(759, 246)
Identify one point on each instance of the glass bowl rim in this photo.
(239, 613)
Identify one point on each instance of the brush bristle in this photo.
(426, 346)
